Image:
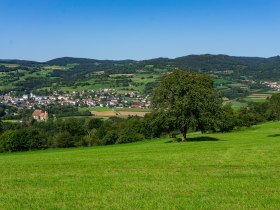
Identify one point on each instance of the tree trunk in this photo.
(184, 136)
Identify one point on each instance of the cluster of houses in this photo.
(90, 98)
(273, 85)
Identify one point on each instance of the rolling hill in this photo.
(238, 170)
(82, 74)
(247, 66)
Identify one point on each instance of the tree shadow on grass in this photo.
(194, 139)
(274, 135)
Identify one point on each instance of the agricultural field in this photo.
(238, 170)
(126, 113)
(257, 98)
(221, 83)
(133, 110)
(95, 109)
(110, 113)
(120, 112)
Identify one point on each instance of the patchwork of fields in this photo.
(139, 80)
(238, 170)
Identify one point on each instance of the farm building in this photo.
(40, 115)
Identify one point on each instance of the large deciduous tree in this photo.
(186, 100)
(274, 107)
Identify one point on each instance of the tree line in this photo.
(73, 132)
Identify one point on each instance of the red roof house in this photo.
(40, 115)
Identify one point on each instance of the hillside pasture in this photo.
(6, 87)
(54, 67)
(121, 75)
(9, 65)
(238, 170)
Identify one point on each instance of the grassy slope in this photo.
(240, 171)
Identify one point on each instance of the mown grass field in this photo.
(238, 170)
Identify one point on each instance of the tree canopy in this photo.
(274, 107)
(186, 100)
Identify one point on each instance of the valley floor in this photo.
(238, 170)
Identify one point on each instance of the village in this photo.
(91, 98)
(273, 85)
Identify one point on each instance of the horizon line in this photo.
(171, 58)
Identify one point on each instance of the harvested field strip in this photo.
(139, 114)
(105, 114)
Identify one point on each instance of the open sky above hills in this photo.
(137, 29)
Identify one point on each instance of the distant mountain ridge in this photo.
(189, 58)
(253, 67)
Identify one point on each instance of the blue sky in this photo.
(137, 29)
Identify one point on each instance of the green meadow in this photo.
(237, 105)
(237, 170)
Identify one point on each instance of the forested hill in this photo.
(255, 67)
(251, 67)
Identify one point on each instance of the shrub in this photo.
(94, 123)
(63, 139)
(8, 141)
(110, 138)
(173, 134)
(228, 119)
(128, 138)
